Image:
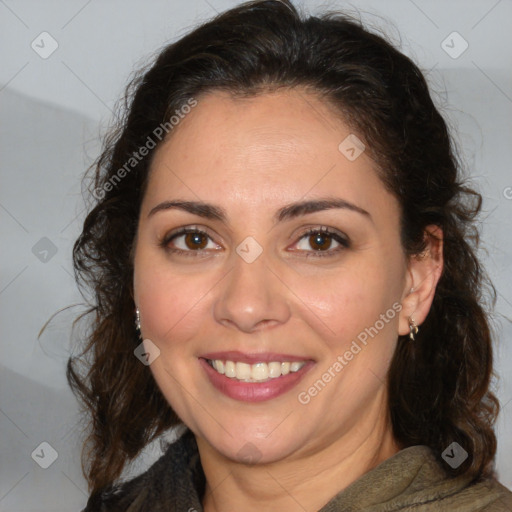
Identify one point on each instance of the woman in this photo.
(282, 215)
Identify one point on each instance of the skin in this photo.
(252, 157)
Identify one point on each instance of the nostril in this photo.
(250, 299)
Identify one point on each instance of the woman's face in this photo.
(269, 248)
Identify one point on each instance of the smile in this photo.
(258, 372)
(254, 377)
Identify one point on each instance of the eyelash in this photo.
(342, 240)
(334, 235)
(167, 239)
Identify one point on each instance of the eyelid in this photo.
(338, 236)
(341, 238)
(183, 230)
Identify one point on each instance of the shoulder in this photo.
(415, 480)
(438, 491)
(126, 497)
(486, 496)
(174, 481)
(463, 493)
(129, 496)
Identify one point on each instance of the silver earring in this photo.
(413, 328)
(137, 320)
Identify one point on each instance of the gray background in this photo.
(51, 113)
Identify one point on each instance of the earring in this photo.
(137, 321)
(413, 328)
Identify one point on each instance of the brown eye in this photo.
(320, 241)
(190, 240)
(195, 241)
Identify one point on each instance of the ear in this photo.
(424, 272)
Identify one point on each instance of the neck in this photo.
(304, 483)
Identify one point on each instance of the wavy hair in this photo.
(438, 385)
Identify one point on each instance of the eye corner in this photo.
(332, 235)
(171, 242)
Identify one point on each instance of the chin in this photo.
(253, 444)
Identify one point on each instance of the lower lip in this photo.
(254, 391)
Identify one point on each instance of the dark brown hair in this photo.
(439, 385)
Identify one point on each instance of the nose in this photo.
(251, 298)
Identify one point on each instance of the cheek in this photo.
(344, 304)
(171, 306)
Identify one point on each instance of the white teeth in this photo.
(219, 366)
(257, 372)
(295, 367)
(229, 369)
(243, 371)
(274, 370)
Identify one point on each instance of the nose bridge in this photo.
(251, 297)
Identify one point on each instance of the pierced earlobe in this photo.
(413, 329)
(137, 322)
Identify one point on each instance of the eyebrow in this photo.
(208, 211)
(304, 207)
(291, 211)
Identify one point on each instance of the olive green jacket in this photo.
(412, 480)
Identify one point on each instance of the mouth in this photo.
(258, 372)
(254, 377)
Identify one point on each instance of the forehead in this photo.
(280, 146)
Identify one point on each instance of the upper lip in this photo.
(253, 358)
